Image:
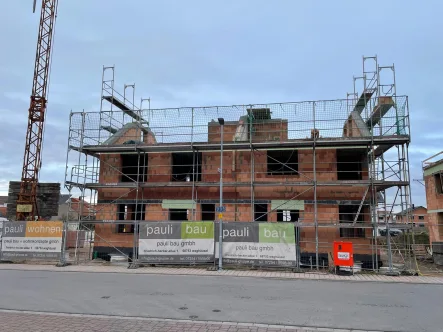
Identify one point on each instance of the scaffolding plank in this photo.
(118, 103)
(363, 100)
(109, 129)
(306, 143)
(179, 184)
(383, 106)
(380, 149)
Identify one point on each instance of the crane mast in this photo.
(27, 199)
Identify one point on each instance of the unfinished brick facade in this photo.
(318, 164)
(418, 215)
(160, 184)
(433, 178)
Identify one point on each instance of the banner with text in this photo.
(175, 242)
(258, 244)
(31, 239)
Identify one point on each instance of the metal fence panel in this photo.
(31, 240)
(258, 244)
(176, 242)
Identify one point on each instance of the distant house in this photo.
(3, 204)
(83, 208)
(70, 208)
(3, 200)
(63, 207)
(418, 215)
(384, 216)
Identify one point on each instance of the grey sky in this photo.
(187, 53)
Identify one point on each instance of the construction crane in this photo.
(27, 200)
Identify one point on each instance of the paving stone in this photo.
(17, 321)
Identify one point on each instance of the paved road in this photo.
(334, 304)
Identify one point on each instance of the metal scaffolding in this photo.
(372, 123)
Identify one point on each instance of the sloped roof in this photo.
(87, 207)
(409, 210)
(362, 127)
(3, 199)
(122, 132)
(63, 198)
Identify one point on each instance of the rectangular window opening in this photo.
(421, 217)
(178, 214)
(347, 215)
(439, 183)
(282, 162)
(129, 212)
(349, 164)
(208, 212)
(287, 215)
(186, 166)
(134, 168)
(260, 212)
(440, 223)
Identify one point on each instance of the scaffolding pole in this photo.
(315, 189)
(239, 187)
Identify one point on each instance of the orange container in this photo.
(343, 254)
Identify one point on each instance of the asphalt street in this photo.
(333, 304)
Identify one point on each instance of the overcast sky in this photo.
(187, 53)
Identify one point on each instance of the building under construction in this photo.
(328, 166)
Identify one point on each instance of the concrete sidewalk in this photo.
(23, 321)
(233, 273)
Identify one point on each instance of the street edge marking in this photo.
(311, 277)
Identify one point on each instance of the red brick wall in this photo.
(154, 212)
(237, 168)
(351, 128)
(228, 132)
(149, 138)
(327, 235)
(415, 214)
(3, 211)
(106, 211)
(106, 234)
(159, 167)
(134, 134)
(263, 131)
(273, 130)
(434, 201)
(110, 164)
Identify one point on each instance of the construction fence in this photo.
(283, 245)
